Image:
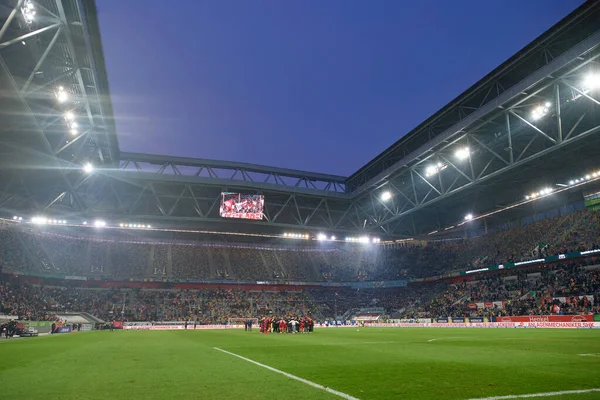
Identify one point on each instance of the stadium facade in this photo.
(520, 141)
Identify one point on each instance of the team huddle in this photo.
(289, 325)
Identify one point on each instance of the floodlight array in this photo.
(99, 223)
(134, 226)
(587, 177)
(542, 193)
(17, 218)
(41, 220)
(296, 236)
(363, 239)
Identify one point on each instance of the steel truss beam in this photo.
(242, 174)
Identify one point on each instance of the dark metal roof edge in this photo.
(91, 20)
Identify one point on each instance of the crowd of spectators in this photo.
(27, 249)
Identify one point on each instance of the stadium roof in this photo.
(577, 26)
(529, 125)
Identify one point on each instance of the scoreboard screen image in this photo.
(243, 206)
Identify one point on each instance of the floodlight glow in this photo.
(431, 170)
(540, 111)
(527, 197)
(468, 217)
(85, 222)
(61, 95)
(149, 226)
(321, 236)
(73, 131)
(20, 218)
(88, 168)
(69, 116)
(385, 196)
(592, 81)
(332, 237)
(39, 220)
(364, 239)
(99, 223)
(121, 225)
(588, 177)
(15, 217)
(462, 154)
(28, 11)
(571, 182)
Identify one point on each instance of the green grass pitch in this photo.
(371, 363)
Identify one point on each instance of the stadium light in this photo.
(434, 169)
(88, 168)
(28, 11)
(540, 111)
(321, 237)
(332, 237)
(61, 94)
(592, 81)
(70, 116)
(15, 217)
(73, 131)
(39, 220)
(99, 223)
(468, 217)
(385, 196)
(462, 154)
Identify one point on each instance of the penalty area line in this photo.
(297, 378)
(546, 394)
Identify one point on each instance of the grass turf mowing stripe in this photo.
(547, 394)
(297, 378)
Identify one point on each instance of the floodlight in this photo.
(20, 218)
(595, 174)
(588, 177)
(85, 222)
(571, 182)
(527, 197)
(121, 225)
(99, 223)
(592, 81)
(88, 168)
(462, 154)
(73, 131)
(321, 236)
(28, 11)
(468, 217)
(385, 196)
(69, 116)
(431, 170)
(149, 226)
(540, 111)
(333, 238)
(61, 95)
(15, 217)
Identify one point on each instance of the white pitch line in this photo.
(546, 394)
(590, 355)
(443, 338)
(297, 378)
